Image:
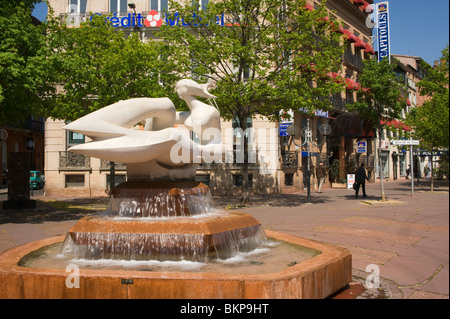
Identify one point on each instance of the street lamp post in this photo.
(325, 130)
(136, 28)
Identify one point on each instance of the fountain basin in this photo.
(206, 237)
(313, 278)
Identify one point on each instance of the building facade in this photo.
(284, 167)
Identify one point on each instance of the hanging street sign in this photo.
(405, 142)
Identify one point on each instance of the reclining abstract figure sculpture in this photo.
(160, 151)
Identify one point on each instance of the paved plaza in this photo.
(405, 240)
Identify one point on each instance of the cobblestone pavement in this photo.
(404, 239)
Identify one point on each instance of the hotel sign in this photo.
(384, 49)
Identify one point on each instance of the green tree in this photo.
(380, 101)
(22, 83)
(94, 66)
(430, 121)
(263, 56)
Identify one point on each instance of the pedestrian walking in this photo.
(360, 179)
(408, 171)
(426, 171)
(321, 173)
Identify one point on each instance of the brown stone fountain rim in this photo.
(316, 278)
(206, 225)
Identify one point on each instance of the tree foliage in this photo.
(257, 52)
(95, 65)
(22, 79)
(430, 121)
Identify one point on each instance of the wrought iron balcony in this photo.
(338, 102)
(352, 59)
(69, 160)
(105, 165)
(289, 158)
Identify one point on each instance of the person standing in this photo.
(321, 173)
(360, 179)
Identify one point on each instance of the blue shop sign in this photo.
(283, 129)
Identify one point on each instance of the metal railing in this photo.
(289, 158)
(105, 165)
(352, 59)
(69, 160)
(338, 102)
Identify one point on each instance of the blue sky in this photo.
(418, 27)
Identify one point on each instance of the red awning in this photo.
(335, 76)
(351, 85)
(395, 123)
(369, 49)
(406, 128)
(359, 2)
(406, 100)
(309, 7)
(360, 43)
(365, 90)
(340, 29)
(368, 8)
(350, 36)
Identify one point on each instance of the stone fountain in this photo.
(161, 214)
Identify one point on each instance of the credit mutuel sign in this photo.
(154, 19)
(383, 31)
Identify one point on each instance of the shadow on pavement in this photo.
(275, 200)
(55, 210)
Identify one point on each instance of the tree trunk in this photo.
(380, 163)
(245, 199)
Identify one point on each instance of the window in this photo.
(237, 180)
(289, 179)
(349, 97)
(237, 132)
(74, 138)
(201, 3)
(77, 6)
(159, 5)
(74, 180)
(204, 4)
(118, 6)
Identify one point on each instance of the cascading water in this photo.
(164, 223)
(160, 203)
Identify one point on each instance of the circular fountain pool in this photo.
(271, 257)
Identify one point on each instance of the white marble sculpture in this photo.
(161, 150)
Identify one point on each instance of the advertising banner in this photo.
(384, 49)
